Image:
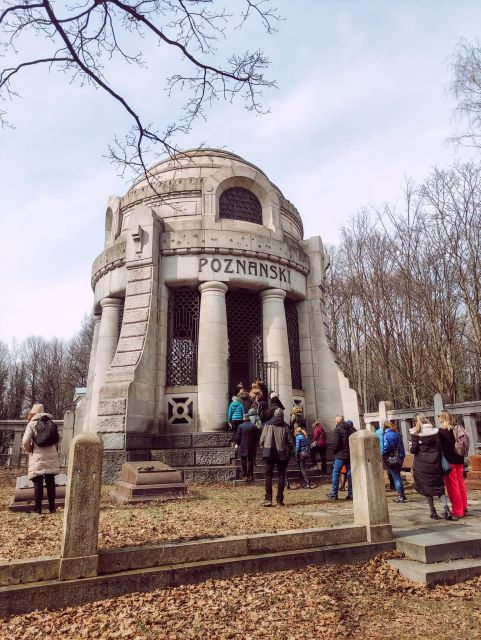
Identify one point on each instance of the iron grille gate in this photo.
(244, 327)
(293, 339)
(183, 332)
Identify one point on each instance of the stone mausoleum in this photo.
(205, 280)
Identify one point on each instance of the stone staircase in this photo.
(445, 555)
(210, 458)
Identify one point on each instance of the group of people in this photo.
(263, 424)
(438, 466)
(438, 459)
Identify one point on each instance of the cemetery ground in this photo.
(369, 600)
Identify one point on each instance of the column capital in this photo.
(97, 318)
(273, 293)
(213, 285)
(110, 302)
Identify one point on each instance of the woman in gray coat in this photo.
(43, 462)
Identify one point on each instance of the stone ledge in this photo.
(25, 571)
(174, 457)
(212, 439)
(210, 457)
(172, 441)
(56, 594)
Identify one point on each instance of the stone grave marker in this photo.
(148, 481)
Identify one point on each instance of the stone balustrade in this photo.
(14, 457)
(470, 412)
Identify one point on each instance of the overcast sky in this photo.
(361, 103)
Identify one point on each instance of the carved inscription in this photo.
(245, 267)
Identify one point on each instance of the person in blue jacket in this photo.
(392, 444)
(235, 415)
(302, 453)
(379, 432)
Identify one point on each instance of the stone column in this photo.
(79, 554)
(369, 494)
(212, 356)
(106, 347)
(91, 373)
(404, 428)
(276, 343)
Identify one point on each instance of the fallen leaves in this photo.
(368, 601)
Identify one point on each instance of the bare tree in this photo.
(83, 39)
(466, 87)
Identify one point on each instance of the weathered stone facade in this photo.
(175, 234)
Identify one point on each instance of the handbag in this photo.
(445, 466)
(393, 459)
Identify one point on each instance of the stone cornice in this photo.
(110, 259)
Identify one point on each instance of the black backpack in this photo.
(46, 432)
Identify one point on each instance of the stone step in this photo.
(451, 543)
(438, 573)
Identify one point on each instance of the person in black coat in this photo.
(427, 470)
(247, 439)
(275, 402)
(342, 456)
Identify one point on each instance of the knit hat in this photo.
(278, 412)
(37, 408)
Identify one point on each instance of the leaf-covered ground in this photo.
(357, 602)
(206, 512)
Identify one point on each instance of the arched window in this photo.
(240, 204)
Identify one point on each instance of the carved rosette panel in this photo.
(181, 410)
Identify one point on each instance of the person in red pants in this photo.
(454, 481)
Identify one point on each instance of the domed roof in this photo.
(192, 159)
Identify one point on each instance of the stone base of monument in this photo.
(473, 477)
(23, 500)
(148, 481)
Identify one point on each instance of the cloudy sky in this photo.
(362, 102)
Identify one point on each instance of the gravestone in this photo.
(148, 481)
(23, 499)
(79, 552)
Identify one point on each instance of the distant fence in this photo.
(12, 456)
(468, 412)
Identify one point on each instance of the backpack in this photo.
(461, 440)
(46, 432)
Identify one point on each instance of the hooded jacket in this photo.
(426, 447)
(342, 433)
(276, 442)
(41, 460)
(392, 441)
(236, 410)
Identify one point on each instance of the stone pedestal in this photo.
(148, 481)
(212, 373)
(79, 555)
(473, 477)
(369, 494)
(23, 500)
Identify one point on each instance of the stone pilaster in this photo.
(331, 388)
(212, 372)
(108, 337)
(90, 377)
(276, 342)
